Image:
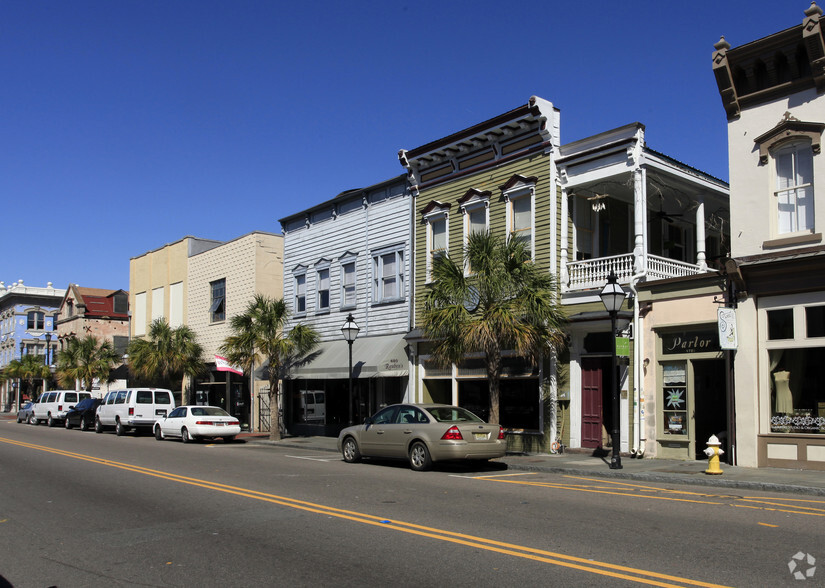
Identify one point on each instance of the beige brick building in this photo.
(220, 283)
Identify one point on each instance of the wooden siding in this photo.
(536, 165)
(361, 232)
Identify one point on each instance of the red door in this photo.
(592, 370)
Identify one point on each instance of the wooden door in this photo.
(592, 387)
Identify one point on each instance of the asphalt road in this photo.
(81, 509)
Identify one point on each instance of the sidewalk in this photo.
(667, 471)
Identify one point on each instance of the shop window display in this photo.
(797, 395)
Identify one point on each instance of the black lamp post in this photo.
(20, 380)
(48, 349)
(350, 332)
(612, 297)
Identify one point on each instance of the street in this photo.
(82, 509)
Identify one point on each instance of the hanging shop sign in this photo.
(690, 342)
(728, 334)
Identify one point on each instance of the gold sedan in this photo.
(423, 434)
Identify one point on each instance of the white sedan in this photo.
(191, 423)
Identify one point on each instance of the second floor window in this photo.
(794, 188)
(521, 220)
(323, 289)
(388, 276)
(348, 284)
(217, 310)
(300, 293)
(35, 321)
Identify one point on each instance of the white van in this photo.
(314, 406)
(133, 408)
(52, 406)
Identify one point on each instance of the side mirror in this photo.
(368, 421)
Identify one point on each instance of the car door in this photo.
(172, 424)
(373, 440)
(398, 434)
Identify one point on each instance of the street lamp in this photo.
(48, 364)
(350, 332)
(612, 297)
(20, 380)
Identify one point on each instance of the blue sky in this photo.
(126, 125)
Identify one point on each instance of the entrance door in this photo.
(593, 371)
(710, 405)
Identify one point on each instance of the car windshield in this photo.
(208, 411)
(453, 414)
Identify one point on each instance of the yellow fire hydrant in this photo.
(713, 451)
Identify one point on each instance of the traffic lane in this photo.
(557, 518)
(115, 529)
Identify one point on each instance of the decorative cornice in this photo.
(789, 128)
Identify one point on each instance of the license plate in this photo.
(481, 436)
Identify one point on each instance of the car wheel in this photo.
(67, 424)
(158, 433)
(98, 426)
(33, 420)
(50, 422)
(350, 450)
(229, 439)
(119, 428)
(420, 460)
(184, 435)
(84, 426)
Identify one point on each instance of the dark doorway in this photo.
(595, 382)
(710, 407)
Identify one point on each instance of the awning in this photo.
(372, 357)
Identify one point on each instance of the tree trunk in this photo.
(274, 412)
(494, 379)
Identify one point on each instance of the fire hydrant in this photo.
(713, 451)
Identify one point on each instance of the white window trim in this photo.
(795, 144)
(298, 273)
(320, 267)
(472, 205)
(400, 274)
(436, 215)
(516, 192)
(343, 261)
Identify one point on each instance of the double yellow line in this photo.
(586, 565)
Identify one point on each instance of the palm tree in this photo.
(504, 303)
(30, 368)
(166, 354)
(86, 359)
(258, 339)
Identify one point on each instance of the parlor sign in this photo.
(690, 342)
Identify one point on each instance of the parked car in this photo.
(52, 406)
(26, 412)
(191, 423)
(83, 414)
(134, 408)
(423, 434)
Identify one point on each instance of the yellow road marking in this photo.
(539, 555)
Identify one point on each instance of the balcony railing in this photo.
(592, 273)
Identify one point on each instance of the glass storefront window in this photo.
(815, 321)
(674, 398)
(780, 324)
(797, 395)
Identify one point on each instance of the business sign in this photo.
(690, 342)
(728, 334)
(623, 346)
